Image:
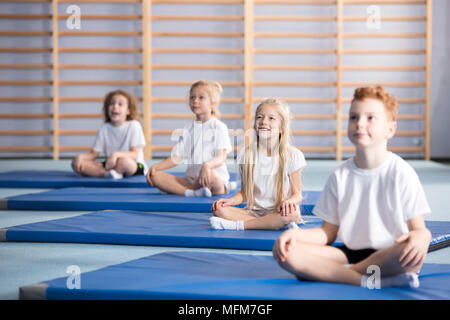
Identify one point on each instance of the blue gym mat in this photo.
(141, 199)
(62, 179)
(166, 229)
(202, 275)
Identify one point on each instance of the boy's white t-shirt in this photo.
(199, 142)
(372, 207)
(112, 138)
(265, 173)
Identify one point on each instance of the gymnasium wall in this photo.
(311, 53)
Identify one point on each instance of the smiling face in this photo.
(369, 125)
(118, 110)
(267, 122)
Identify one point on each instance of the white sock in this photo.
(291, 225)
(224, 224)
(202, 192)
(113, 174)
(407, 279)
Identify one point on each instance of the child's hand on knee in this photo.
(111, 161)
(284, 245)
(150, 172)
(77, 163)
(204, 178)
(416, 248)
(288, 207)
(221, 203)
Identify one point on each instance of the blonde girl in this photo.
(270, 172)
(120, 139)
(204, 145)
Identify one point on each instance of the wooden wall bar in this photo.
(246, 26)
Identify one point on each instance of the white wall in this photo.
(440, 81)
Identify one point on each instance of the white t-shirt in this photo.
(110, 139)
(265, 173)
(199, 143)
(372, 207)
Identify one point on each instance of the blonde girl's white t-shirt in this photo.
(265, 173)
(372, 207)
(122, 138)
(199, 143)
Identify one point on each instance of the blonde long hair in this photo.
(248, 167)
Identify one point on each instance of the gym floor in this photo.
(30, 263)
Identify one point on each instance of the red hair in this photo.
(378, 93)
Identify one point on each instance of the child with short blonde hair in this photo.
(270, 173)
(374, 202)
(204, 143)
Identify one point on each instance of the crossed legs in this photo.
(326, 263)
(92, 168)
(178, 185)
(271, 221)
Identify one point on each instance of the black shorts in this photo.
(139, 171)
(355, 256)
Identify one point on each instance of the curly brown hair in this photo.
(378, 93)
(132, 104)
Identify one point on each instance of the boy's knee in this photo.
(287, 264)
(77, 159)
(397, 252)
(76, 164)
(294, 261)
(155, 176)
(158, 178)
(123, 163)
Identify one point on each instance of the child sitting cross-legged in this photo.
(374, 202)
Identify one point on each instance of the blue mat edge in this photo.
(78, 181)
(19, 202)
(15, 233)
(66, 294)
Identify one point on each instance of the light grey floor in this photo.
(29, 263)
